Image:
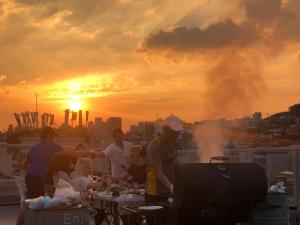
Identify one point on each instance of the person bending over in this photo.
(136, 172)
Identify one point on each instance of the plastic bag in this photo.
(53, 202)
(36, 203)
(45, 202)
(65, 192)
(279, 188)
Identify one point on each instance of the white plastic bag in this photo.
(279, 188)
(65, 192)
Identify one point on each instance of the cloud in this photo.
(273, 22)
(234, 84)
(280, 17)
(61, 39)
(219, 35)
(236, 49)
(82, 13)
(2, 77)
(262, 10)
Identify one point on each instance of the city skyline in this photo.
(202, 60)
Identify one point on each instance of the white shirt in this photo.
(118, 157)
(80, 183)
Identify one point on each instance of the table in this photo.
(114, 206)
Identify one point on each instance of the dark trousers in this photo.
(156, 217)
(35, 186)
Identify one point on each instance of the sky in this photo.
(142, 59)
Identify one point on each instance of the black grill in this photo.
(218, 193)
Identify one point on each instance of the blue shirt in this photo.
(40, 157)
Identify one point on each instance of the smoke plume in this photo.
(236, 50)
(210, 141)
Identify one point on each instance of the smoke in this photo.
(236, 51)
(233, 85)
(210, 140)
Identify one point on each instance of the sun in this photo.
(75, 104)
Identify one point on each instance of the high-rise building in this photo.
(140, 128)
(256, 119)
(80, 118)
(257, 116)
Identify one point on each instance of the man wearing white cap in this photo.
(161, 159)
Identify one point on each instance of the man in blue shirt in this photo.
(39, 159)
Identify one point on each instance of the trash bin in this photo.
(277, 212)
(63, 216)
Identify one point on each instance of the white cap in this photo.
(173, 122)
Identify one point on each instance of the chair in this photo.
(21, 185)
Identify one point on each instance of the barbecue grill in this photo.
(217, 193)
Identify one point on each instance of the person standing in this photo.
(39, 159)
(161, 159)
(118, 153)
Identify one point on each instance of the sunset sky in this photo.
(138, 59)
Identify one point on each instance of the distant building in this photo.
(257, 116)
(110, 125)
(99, 127)
(91, 126)
(256, 119)
(246, 122)
(145, 130)
(132, 130)
(188, 126)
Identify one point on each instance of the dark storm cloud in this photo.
(282, 21)
(222, 34)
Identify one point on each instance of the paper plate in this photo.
(150, 207)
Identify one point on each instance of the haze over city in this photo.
(143, 59)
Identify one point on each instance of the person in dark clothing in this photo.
(39, 159)
(137, 169)
(136, 172)
(37, 163)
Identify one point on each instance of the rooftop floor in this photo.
(8, 215)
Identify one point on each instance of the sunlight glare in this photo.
(75, 104)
